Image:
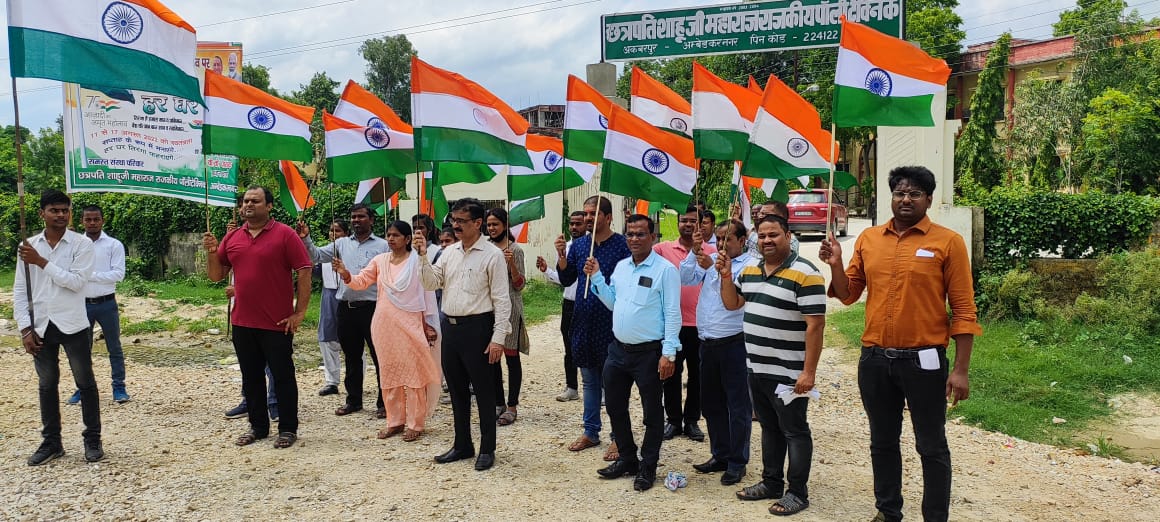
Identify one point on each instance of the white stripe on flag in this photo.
(714, 111)
(853, 69)
(662, 116)
(226, 113)
(453, 112)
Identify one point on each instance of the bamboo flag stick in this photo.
(830, 185)
(20, 194)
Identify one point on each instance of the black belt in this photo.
(641, 347)
(101, 299)
(358, 304)
(465, 319)
(710, 343)
(897, 353)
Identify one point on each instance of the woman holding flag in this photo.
(517, 341)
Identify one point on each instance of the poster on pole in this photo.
(120, 140)
(741, 28)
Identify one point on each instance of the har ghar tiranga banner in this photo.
(120, 140)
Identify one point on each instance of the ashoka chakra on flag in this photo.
(678, 125)
(797, 147)
(377, 137)
(376, 123)
(655, 161)
(879, 82)
(261, 118)
(552, 161)
(122, 23)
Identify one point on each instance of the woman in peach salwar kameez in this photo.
(403, 330)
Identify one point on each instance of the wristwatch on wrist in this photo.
(671, 358)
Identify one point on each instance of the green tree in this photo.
(389, 71)
(321, 94)
(258, 76)
(1073, 21)
(1120, 133)
(935, 27)
(1039, 123)
(976, 151)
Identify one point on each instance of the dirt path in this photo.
(171, 457)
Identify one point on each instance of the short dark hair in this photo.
(708, 214)
(577, 213)
(736, 227)
(691, 207)
(93, 208)
(605, 206)
(774, 218)
(363, 206)
(779, 208)
(53, 197)
(269, 195)
(637, 218)
(502, 216)
(472, 206)
(919, 176)
(447, 230)
(429, 224)
(404, 228)
(343, 225)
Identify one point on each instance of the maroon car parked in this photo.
(807, 212)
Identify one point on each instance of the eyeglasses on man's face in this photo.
(900, 195)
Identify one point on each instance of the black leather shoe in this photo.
(619, 468)
(328, 390)
(671, 431)
(730, 478)
(93, 451)
(644, 480)
(711, 466)
(693, 432)
(453, 455)
(44, 454)
(484, 461)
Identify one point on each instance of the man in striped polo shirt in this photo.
(784, 298)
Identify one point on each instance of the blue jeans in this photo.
(593, 381)
(107, 316)
(271, 397)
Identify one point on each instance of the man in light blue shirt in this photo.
(644, 295)
(724, 393)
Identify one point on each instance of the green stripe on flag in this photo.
(584, 145)
(352, 168)
(465, 146)
(854, 107)
(532, 185)
(42, 54)
(624, 180)
(285, 196)
(249, 143)
(450, 172)
(844, 180)
(525, 211)
(720, 144)
(761, 163)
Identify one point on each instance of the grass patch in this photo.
(1024, 374)
(668, 227)
(149, 326)
(7, 277)
(541, 300)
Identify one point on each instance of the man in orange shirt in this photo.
(910, 268)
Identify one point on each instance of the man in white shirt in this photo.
(49, 308)
(100, 296)
(576, 228)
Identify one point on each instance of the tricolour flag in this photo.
(723, 114)
(358, 105)
(374, 192)
(133, 44)
(642, 161)
(355, 152)
(248, 122)
(753, 86)
(659, 105)
(787, 139)
(294, 194)
(881, 80)
(585, 121)
(525, 210)
(550, 172)
(457, 120)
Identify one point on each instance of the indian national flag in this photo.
(373, 192)
(355, 152)
(294, 193)
(523, 212)
(358, 105)
(787, 139)
(133, 44)
(754, 87)
(882, 80)
(457, 120)
(246, 121)
(551, 173)
(585, 121)
(723, 114)
(642, 161)
(659, 105)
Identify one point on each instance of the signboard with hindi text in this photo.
(741, 28)
(119, 140)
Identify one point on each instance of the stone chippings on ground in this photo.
(171, 456)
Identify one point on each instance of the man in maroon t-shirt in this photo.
(264, 255)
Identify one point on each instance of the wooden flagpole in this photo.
(20, 196)
(830, 185)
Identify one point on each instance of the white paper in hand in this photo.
(786, 394)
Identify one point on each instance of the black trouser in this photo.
(622, 369)
(567, 309)
(258, 349)
(689, 356)
(887, 381)
(354, 330)
(465, 364)
(78, 348)
(725, 396)
(784, 431)
(515, 379)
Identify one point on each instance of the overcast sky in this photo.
(522, 50)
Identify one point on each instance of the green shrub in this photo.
(1014, 294)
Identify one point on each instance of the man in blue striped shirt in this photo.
(644, 294)
(724, 391)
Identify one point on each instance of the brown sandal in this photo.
(411, 435)
(611, 454)
(582, 444)
(506, 418)
(389, 432)
(248, 438)
(285, 440)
